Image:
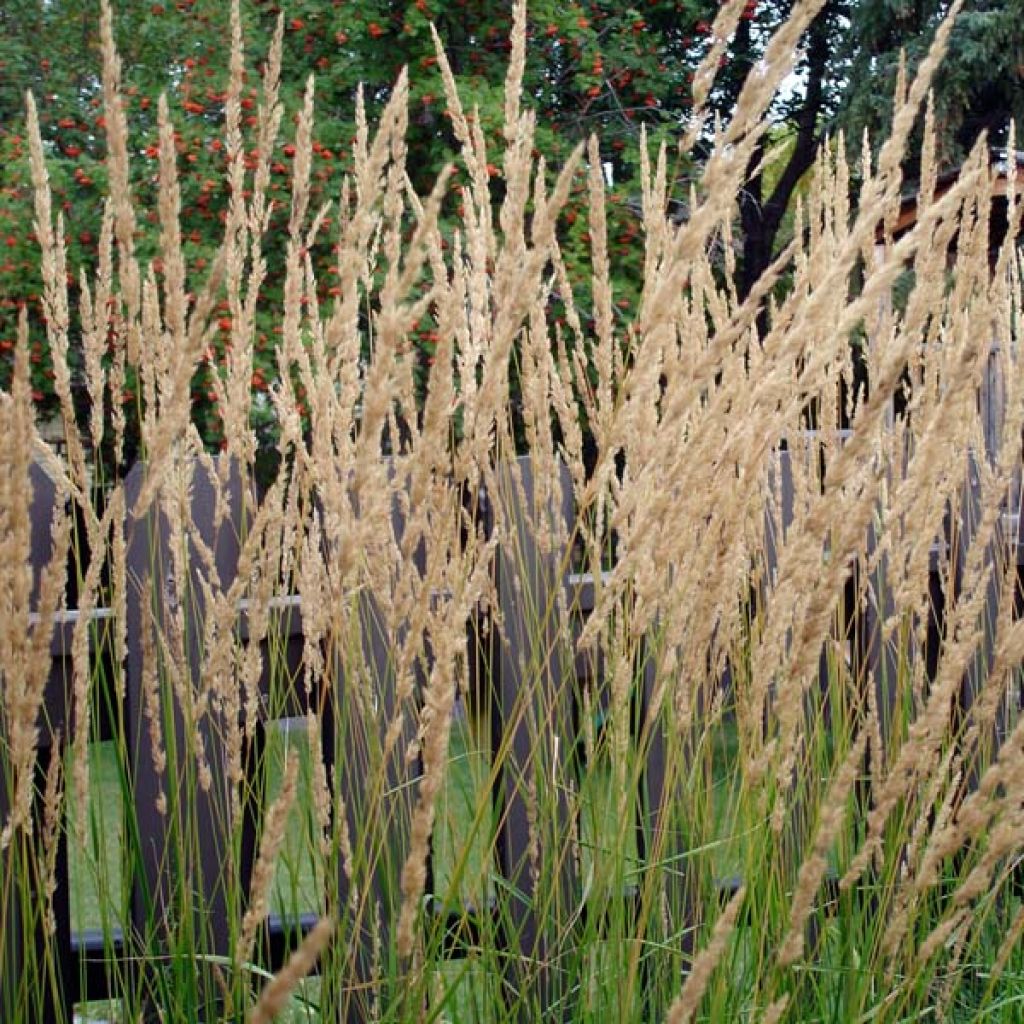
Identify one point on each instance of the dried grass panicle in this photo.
(175, 308)
(726, 21)
(476, 161)
(95, 316)
(516, 67)
(56, 312)
(119, 174)
(687, 401)
(24, 657)
(447, 645)
(275, 995)
(812, 870)
(291, 342)
(604, 349)
(152, 714)
(1010, 941)
(323, 796)
(273, 838)
(687, 1002)
(53, 808)
(731, 153)
(773, 1013)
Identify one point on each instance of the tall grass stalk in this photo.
(785, 786)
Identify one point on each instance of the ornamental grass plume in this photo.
(24, 655)
(263, 872)
(775, 637)
(274, 996)
(687, 1002)
(812, 870)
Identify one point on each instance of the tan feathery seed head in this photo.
(685, 1005)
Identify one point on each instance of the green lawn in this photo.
(97, 867)
(462, 869)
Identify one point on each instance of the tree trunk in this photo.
(760, 217)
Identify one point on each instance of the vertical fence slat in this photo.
(26, 947)
(536, 692)
(378, 784)
(994, 557)
(189, 845)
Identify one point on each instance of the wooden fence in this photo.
(527, 579)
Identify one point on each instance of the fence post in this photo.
(994, 559)
(182, 830)
(377, 784)
(536, 690)
(51, 953)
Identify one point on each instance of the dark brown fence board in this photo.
(59, 990)
(536, 687)
(188, 844)
(529, 673)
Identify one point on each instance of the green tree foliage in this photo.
(845, 79)
(593, 66)
(980, 87)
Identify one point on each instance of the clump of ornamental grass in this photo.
(789, 784)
